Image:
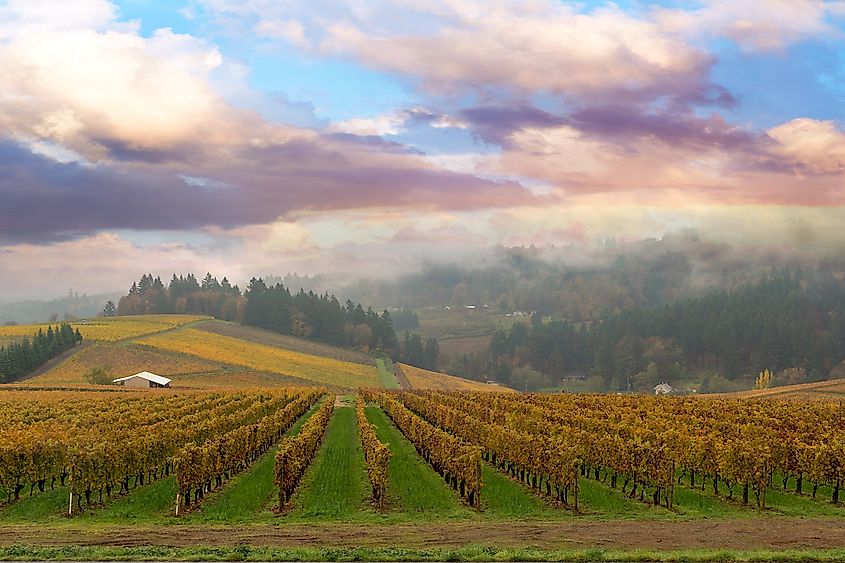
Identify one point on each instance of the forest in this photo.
(319, 317)
(791, 323)
(20, 358)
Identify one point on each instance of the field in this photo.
(463, 323)
(420, 378)
(267, 338)
(121, 361)
(832, 390)
(233, 351)
(199, 353)
(473, 472)
(112, 329)
(425, 517)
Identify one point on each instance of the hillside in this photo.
(197, 352)
(424, 379)
(833, 390)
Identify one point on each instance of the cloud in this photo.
(539, 46)
(810, 146)
(519, 46)
(91, 83)
(46, 200)
(756, 25)
(100, 263)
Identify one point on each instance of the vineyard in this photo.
(644, 446)
(308, 369)
(111, 329)
(420, 378)
(121, 361)
(96, 444)
(295, 455)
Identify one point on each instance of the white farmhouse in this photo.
(143, 380)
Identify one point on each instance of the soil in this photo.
(404, 384)
(755, 533)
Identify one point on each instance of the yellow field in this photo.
(111, 329)
(233, 380)
(423, 379)
(833, 390)
(121, 361)
(224, 349)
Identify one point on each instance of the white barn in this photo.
(663, 389)
(143, 380)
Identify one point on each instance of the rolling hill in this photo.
(197, 352)
(419, 378)
(831, 390)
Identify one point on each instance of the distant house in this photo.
(663, 389)
(143, 380)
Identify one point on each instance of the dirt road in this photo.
(757, 533)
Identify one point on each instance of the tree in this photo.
(98, 376)
(110, 309)
(764, 380)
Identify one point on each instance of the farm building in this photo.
(663, 389)
(143, 380)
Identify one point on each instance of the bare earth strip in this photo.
(755, 533)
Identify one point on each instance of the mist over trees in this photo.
(792, 323)
(578, 284)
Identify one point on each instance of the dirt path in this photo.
(754, 533)
(400, 377)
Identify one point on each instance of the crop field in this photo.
(120, 361)
(424, 379)
(831, 390)
(111, 329)
(268, 338)
(452, 468)
(233, 351)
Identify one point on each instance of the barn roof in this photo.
(146, 375)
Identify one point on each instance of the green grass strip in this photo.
(414, 487)
(385, 372)
(335, 487)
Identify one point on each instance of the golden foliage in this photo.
(424, 379)
(376, 455)
(232, 351)
(112, 328)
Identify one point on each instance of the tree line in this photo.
(319, 317)
(791, 323)
(25, 356)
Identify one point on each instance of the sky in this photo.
(364, 137)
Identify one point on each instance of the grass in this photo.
(502, 497)
(385, 372)
(39, 507)
(335, 487)
(414, 489)
(470, 553)
(248, 496)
